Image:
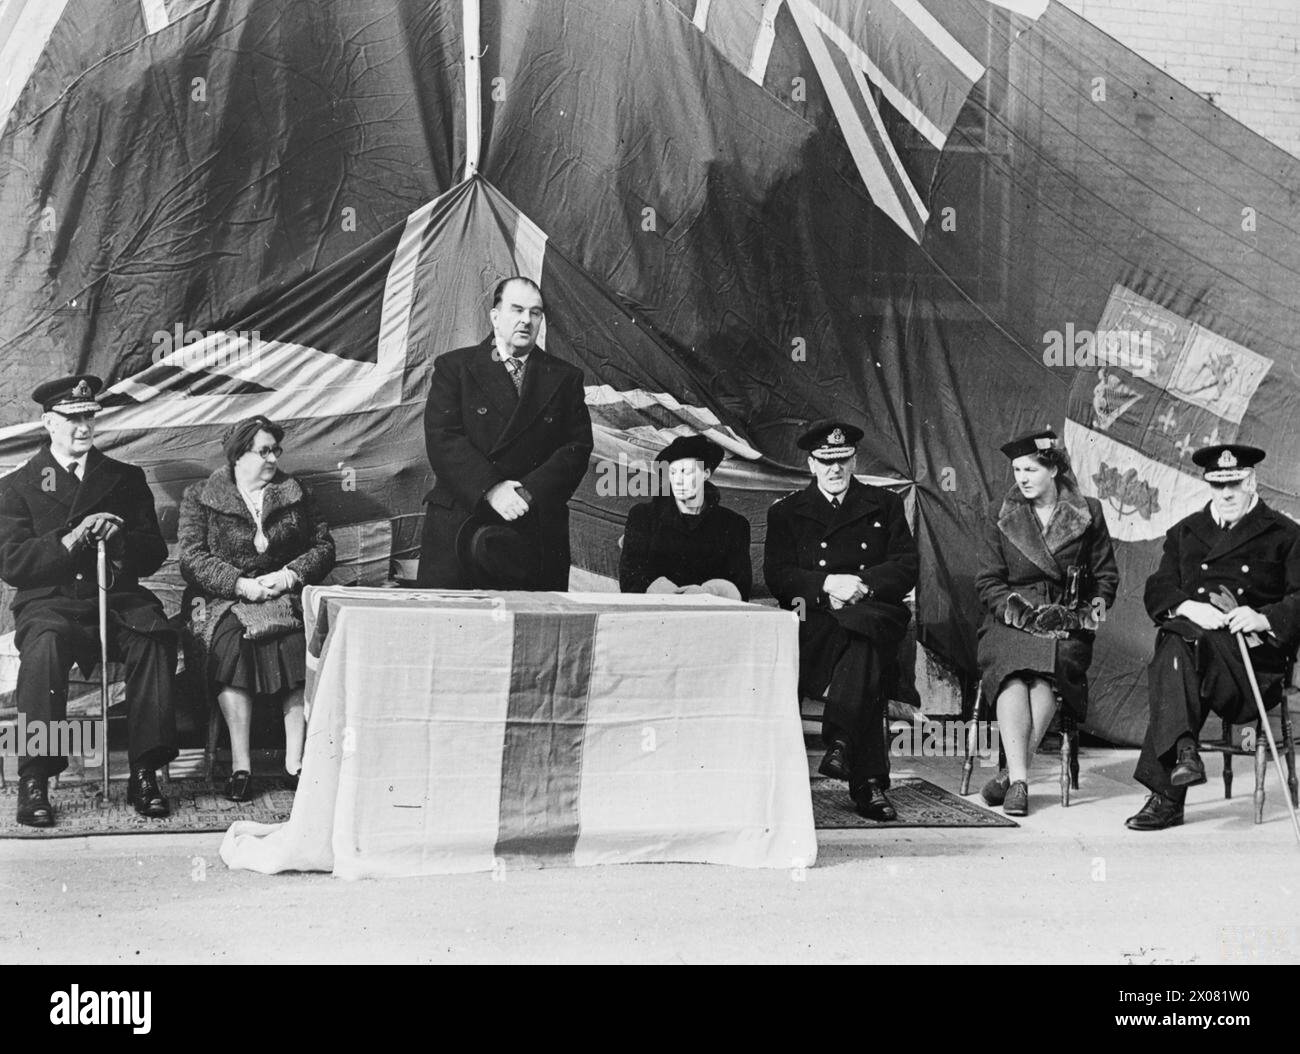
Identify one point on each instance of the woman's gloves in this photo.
(1049, 620)
(1019, 612)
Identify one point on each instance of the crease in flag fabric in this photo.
(546, 722)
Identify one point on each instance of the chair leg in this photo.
(1227, 771)
(1074, 754)
(214, 729)
(1066, 735)
(972, 742)
(1261, 766)
(1288, 749)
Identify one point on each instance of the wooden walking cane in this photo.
(1268, 731)
(1259, 705)
(101, 576)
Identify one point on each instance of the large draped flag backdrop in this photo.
(949, 221)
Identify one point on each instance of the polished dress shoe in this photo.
(835, 764)
(1190, 770)
(34, 808)
(1158, 813)
(995, 791)
(1016, 803)
(240, 786)
(143, 793)
(872, 803)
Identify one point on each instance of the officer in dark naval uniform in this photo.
(1233, 567)
(841, 554)
(53, 512)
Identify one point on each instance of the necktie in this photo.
(75, 469)
(516, 368)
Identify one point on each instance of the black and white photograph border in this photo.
(649, 481)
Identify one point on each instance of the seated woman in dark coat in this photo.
(250, 539)
(686, 542)
(1047, 575)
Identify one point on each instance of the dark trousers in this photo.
(855, 709)
(49, 647)
(1195, 673)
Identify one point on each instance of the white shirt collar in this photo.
(1218, 520)
(80, 462)
(833, 498)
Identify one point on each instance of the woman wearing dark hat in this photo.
(1047, 573)
(685, 541)
(250, 539)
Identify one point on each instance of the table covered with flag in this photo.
(471, 731)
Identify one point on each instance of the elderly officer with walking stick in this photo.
(54, 512)
(1230, 570)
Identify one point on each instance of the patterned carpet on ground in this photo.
(919, 803)
(199, 808)
(196, 808)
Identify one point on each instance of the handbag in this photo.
(270, 618)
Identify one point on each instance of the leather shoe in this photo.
(240, 786)
(1016, 802)
(1158, 813)
(34, 809)
(835, 763)
(143, 793)
(1190, 770)
(872, 803)
(995, 791)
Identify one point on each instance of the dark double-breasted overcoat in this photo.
(56, 614)
(1023, 557)
(1195, 671)
(843, 652)
(479, 431)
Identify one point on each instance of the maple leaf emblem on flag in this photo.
(1126, 492)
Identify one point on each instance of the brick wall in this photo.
(1245, 58)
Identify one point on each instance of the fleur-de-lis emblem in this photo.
(836, 438)
(1227, 460)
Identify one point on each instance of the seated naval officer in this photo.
(1233, 567)
(53, 512)
(840, 553)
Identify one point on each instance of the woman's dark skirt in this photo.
(1005, 651)
(259, 667)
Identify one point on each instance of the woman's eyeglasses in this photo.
(268, 451)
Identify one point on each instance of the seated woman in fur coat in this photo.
(685, 541)
(250, 539)
(1047, 574)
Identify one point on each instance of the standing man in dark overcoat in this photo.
(509, 437)
(840, 553)
(1233, 567)
(53, 512)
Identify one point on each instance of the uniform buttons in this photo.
(823, 545)
(1201, 589)
(864, 545)
(1245, 569)
(1240, 591)
(862, 567)
(821, 563)
(1205, 567)
(80, 576)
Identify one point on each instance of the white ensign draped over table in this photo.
(469, 731)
